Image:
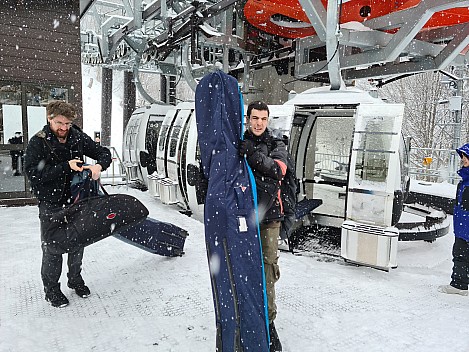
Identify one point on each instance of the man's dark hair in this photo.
(258, 105)
(60, 107)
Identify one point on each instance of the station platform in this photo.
(141, 302)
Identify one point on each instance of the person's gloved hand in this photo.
(246, 147)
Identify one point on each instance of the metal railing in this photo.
(333, 163)
(437, 169)
(116, 173)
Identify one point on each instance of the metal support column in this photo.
(106, 106)
(163, 88)
(129, 97)
(332, 45)
(456, 112)
(172, 90)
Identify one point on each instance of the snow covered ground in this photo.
(143, 302)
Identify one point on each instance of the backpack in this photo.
(288, 193)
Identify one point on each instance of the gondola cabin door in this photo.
(367, 235)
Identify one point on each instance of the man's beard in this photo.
(61, 134)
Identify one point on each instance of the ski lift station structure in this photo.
(305, 44)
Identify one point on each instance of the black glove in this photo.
(201, 188)
(246, 147)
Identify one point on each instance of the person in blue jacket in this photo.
(460, 276)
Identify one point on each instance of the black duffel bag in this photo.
(91, 219)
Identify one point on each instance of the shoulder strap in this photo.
(42, 134)
(102, 187)
(78, 133)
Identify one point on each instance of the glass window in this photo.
(10, 112)
(15, 129)
(172, 147)
(151, 140)
(11, 139)
(332, 149)
(373, 156)
(372, 166)
(162, 137)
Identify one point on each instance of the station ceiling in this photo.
(188, 38)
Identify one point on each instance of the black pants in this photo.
(15, 156)
(460, 276)
(51, 267)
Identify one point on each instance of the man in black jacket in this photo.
(52, 157)
(267, 156)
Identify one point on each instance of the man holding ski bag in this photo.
(52, 157)
(267, 157)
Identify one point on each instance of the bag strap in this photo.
(102, 187)
(275, 195)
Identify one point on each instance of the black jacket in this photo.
(266, 163)
(16, 140)
(46, 162)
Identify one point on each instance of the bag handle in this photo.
(77, 198)
(102, 187)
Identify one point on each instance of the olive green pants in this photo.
(269, 240)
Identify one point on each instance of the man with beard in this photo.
(52, 157)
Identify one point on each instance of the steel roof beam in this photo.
(391, 69)
(154, 10)
(402, 40)
(370, 40)
(332, 45)
(317, 15)
(399, 18)
(416, 19)
(453, 48)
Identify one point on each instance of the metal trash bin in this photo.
(152, 185)
(158, 178)
(131, 172)
(168, 191)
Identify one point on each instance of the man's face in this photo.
(60, 125)
(258, 121)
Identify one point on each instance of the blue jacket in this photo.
(461, 208)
